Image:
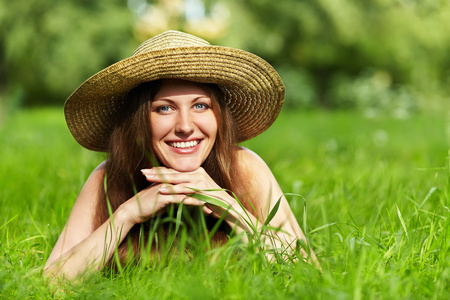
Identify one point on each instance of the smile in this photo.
(184, 145)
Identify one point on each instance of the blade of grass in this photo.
(273, 212)
(9, 221)
(402, 221)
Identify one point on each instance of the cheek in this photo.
(209, 124)
(159, 127)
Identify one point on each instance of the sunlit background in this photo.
(376, 56)
(362, 142)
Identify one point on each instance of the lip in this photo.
(188, 150)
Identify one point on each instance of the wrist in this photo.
(123, 217)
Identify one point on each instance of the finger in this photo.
(214, 213)
(207, 210)
(166, 175)
(192, 201)
(178, 199)
(163, 171)
(159, 171)
(170, 189)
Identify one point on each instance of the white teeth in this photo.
(184, 145)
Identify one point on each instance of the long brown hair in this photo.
(130, 150)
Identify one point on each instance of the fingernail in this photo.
(162, 188)
(147, 173)
(208, 210)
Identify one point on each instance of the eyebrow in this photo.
(172, 101)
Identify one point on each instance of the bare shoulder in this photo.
(79, 225)
(97, 174)
(89, 192)
(254, 165)
(263, 181)
(267, 187)
(248, 158)
(84, 207)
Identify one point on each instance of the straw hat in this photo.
(252, 88)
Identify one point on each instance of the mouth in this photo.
(184, 145)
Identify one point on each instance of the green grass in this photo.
(374, 204)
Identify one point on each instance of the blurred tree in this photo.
(318, 43)
(333, 53)
(48, 47)
(205, 18)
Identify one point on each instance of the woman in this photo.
(169, 118)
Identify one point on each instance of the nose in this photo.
(185, 123)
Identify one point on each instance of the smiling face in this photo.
(184, 126)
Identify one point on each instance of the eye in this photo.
(201, 106)
(164, 109)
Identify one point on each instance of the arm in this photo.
(81, 247)
(264, 184)
(269, 191)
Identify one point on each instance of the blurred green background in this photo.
(363, 138)
(377, 56)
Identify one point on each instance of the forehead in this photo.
(173, 89)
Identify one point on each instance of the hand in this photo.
(152, 201)
(181, 184)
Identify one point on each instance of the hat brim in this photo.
(252, 88)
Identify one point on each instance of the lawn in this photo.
(372, 195)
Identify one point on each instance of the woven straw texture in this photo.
(253, 89)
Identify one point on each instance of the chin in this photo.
(185, 166)
(185, 169)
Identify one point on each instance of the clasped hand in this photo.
(173, 187)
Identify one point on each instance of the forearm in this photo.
(94, 251)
